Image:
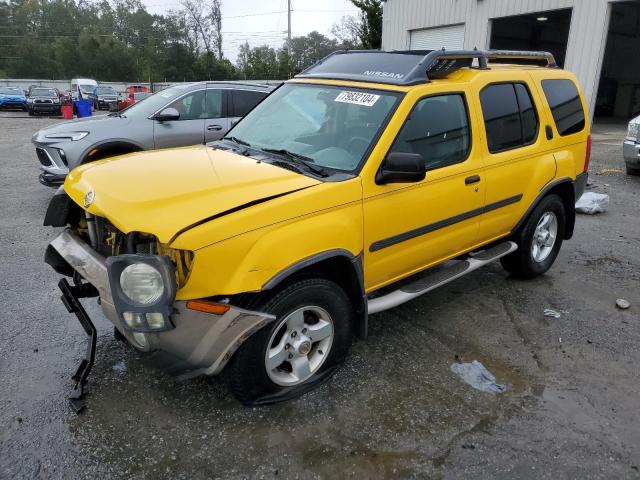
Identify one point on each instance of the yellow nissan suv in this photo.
(264, 253)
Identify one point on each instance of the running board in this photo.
(439, 277)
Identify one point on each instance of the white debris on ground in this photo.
(623, 304)
(551, 313)
(476, 375)
(592, 202)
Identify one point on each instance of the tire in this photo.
(633, 171)
(529, 262)
(30, 112)
(251, 380)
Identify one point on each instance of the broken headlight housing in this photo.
(143, 288)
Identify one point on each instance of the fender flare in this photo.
(112, 142)
(360, 304)
(571, 215)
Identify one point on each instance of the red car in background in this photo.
(131, 98)
(136, 89)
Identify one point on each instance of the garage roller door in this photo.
(450, 37)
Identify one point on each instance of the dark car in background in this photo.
(182, 115)
(43, 100)
(103, 98)
(12, 97)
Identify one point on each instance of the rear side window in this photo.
(509, 116)
(565, 105)
(244, 100)
(437, 129)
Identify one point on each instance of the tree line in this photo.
(119, 40)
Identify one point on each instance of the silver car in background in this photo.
(186, 114)
(631, 147)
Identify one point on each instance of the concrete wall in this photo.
(587, 35)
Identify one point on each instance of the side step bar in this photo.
(439, 277)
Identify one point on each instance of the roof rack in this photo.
(411, 67)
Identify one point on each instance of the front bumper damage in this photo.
(200, 344)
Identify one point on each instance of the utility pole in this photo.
(289, 24)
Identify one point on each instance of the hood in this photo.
(6, 96)
(166, 192)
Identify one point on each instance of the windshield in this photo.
(86, 88)
(10, 91)
(43, 92)
(332, 126)
(103, 90)
(155, 101)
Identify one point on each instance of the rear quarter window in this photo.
(565, 104)
(244, 101)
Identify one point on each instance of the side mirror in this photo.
(401, 168)
(167, 114)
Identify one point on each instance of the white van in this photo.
(83, 88)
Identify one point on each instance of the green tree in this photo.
(370, 30)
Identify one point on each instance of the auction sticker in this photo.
(358, 98)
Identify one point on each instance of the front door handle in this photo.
(214, 128)
(472, 179)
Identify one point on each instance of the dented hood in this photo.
(166, 192)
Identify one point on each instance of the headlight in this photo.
(143, 289)
(73, 136)
(56, 100)
(141, 283)
(633, 131)
(29, 100)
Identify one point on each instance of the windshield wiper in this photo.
(298, 159)
(238, 141)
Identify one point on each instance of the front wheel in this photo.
(301, 349)
(539, 240)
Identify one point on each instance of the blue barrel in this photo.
(83, 108)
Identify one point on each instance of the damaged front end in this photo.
(136, 278)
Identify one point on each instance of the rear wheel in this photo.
(300, 350)
(633, 171)
(539, 240)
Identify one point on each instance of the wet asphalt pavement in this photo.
(394, 411)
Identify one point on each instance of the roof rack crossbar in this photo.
(442, 62)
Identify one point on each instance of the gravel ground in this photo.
(395, 410)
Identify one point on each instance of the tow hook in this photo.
(70, 297)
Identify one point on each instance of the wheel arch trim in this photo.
(356, 262)
(570, 215)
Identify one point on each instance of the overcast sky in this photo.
(265, 21)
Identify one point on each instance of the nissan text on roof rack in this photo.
(265, 252)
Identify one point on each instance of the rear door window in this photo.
(510, 117)
(565, 105)
(244, 100)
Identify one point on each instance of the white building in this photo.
(598, 40)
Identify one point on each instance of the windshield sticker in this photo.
(358, 98)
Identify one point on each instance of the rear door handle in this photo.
(472, 179)
(214, 128)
